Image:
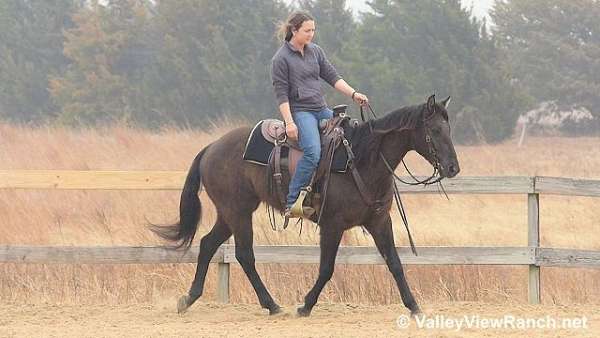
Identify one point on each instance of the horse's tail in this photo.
(190, 211)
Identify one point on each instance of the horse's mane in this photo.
(366, 143)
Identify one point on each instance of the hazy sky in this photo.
(480, 7)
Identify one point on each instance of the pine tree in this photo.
(30, 51)
(213, 60)
(553, 50)
(96, 87)
(411, 49)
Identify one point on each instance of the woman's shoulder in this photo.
(314, 46)
(316, 49)
(280, 53)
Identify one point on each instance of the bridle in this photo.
(434, 178)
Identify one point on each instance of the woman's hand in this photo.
(360, 99)
(291, 131)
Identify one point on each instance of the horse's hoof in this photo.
(183, 304)
(415, 311)
(303, 312)
(276, 310)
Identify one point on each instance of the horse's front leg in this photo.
(330, 241)
(381, 230)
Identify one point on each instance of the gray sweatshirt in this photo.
(296, 77)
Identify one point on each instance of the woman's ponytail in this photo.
(293, 23)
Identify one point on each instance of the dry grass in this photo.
(119, 217)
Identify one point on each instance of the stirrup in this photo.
(299, 211)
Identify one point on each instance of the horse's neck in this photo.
(394, 147)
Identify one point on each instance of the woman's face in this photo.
(305, 33)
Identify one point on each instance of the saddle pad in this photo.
(258, 150)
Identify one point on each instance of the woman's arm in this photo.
(286, 113)
(343, 87)
(279, 74)
(331, 76)
(290, 127)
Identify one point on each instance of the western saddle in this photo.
(310, 202)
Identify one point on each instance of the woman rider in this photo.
(296, 69)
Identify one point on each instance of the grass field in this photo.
(39, 217)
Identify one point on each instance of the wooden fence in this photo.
(531, 255)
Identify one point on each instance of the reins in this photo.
(434, 178)
(374, 203)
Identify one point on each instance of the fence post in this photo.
(223, 279)
(533, 240)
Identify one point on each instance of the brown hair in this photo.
(293, 22)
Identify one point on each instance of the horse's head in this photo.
(432, 138)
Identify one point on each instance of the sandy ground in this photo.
(327, 320)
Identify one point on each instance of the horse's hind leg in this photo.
(208, 246)
(244, 253)
(330, 242)
(384, 240)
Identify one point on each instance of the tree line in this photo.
(193, 62)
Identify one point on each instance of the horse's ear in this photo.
(431, 104)
(446, 102)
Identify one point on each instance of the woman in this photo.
(296, 69)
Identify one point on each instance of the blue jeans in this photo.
(309, 139)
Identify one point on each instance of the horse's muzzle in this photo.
(453, 170)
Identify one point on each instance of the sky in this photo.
(480, 7)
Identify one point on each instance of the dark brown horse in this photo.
(237, 188)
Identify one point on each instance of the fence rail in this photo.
(302, 254)
(531, 255)
(173, 180)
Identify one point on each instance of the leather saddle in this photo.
(268, 145)
(273, 131)
(332, 136)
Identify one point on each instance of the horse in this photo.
(237, 187)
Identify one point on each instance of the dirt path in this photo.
(327, 320)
